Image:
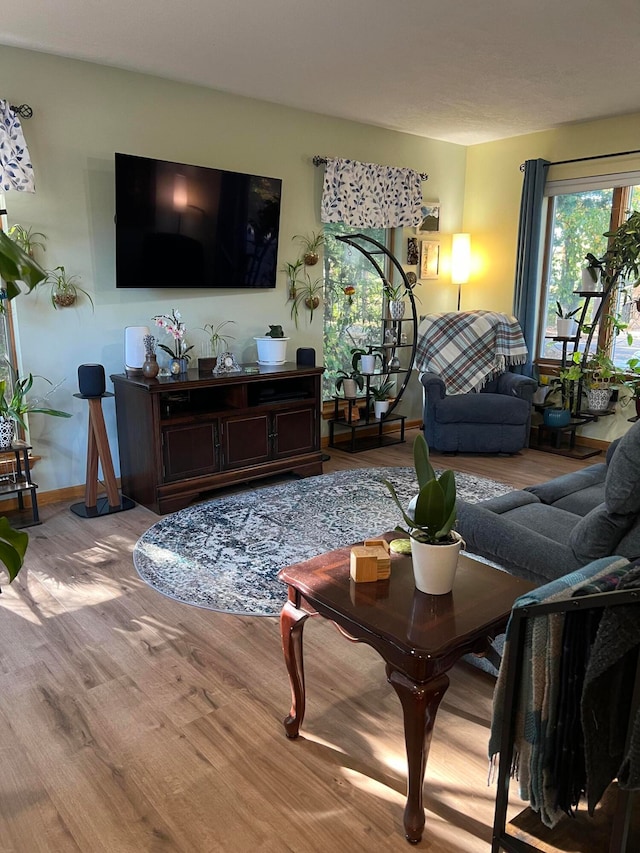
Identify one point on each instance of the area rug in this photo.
(225, 554)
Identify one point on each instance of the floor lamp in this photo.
(460, 260)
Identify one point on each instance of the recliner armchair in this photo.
(495, 420)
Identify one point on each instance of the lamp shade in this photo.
(460, 258)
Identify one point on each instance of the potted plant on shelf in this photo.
(592, 272)
(600, 375)
(350, 383)
(215, 343)
(631, 381)
(395, 301)
(308, 293)
(310, 246)
(64, 288)
(179, 353)
(382, 395)
(430, 518)
(14, 405)
(566, 325)
(272, 346)
(15, 266)
(364, 360)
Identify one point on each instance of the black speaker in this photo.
(91, 380)
(306, 357)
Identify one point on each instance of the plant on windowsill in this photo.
(430, 518)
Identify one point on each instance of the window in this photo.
(351, 319)
(579, 213)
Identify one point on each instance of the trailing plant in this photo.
(434, 514)
(292, 271)
(27, 238)
(309, 294)
(14, 404)
(310, 246)
(15, 266)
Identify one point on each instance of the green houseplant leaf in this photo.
(16, 265)
(13, 545)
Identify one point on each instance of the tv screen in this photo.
(192, 226)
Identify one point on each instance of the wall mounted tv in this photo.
(191, 226)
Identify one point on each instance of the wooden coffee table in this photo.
(420, 637)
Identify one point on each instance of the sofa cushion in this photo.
(622, 486)
(598, 534)
(482, 409)
(583, 501)
(570, 484)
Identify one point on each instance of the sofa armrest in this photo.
(517, 385)
(434, 387)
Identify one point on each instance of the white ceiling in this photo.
(464, 71)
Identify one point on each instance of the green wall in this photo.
(83, 113)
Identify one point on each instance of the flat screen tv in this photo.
(192, 226)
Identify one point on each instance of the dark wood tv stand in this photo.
(180, 437)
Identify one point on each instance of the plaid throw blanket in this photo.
(468, 348)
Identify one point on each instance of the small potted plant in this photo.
(150, 366)
(64, 288)
(310, 246)
(592, 273)
(179, 353)
(365, 360)
(216, 342)
(566, 325)
(272, 346)
(382, 397)
(430, 518)
(395, 301)
(14, 405)
(350, 383)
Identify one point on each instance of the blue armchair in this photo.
(495, 420)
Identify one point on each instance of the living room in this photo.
(102, 676)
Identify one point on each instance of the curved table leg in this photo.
(419, 705)
(291, 624)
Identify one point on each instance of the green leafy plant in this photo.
(434, 513)
(64, 288)
(14, 404)
(16, 265)
(594, 266)
(383, 391)
(27, 238)
(274, 332)
(172, 324)
(358, 352)
(565, 314)
(216, 339)
(355, 374)
(310, 246)
(292, 271)
(394, 293)
(13, 546)
(308, 293)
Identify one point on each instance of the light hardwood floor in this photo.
(130, 722)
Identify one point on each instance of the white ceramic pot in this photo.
(368, 363)
(271, 350)
(380, 407)
(350, 388)
(434, 566)
(566, 327)
(588, 283)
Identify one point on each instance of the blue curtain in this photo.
(525, 298)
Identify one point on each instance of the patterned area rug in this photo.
(225, 554)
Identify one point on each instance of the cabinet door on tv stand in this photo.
(246, 440)
(190, 450)
(295, 431)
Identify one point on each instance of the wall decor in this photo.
(429, 259)
(412, 251)
(430, 219)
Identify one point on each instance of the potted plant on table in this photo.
(179, 353)
(216, 342)
(430, 518)
(272, 346)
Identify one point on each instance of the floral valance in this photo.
(16, 171)
(366, 195)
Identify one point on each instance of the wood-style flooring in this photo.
(130, 722)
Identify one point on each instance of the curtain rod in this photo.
(320, 161)
(583, 159)
(24, 110)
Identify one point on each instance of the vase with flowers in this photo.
(150, 366)
(173, 325)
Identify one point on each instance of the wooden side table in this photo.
(419, 637)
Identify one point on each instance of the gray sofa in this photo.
(495, 420)
(545, 531)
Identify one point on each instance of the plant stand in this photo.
(18, 483)
(98, 449)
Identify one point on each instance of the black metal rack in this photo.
(619, 835)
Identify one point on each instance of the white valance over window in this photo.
(366, 195)
(16, 171)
